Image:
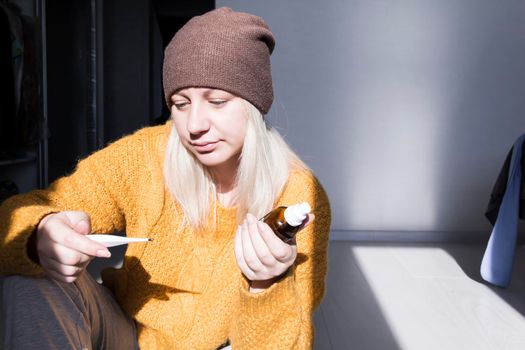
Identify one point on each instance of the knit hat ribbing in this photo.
(225, 50)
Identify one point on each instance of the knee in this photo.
(13, 291)
(22, 295)
(13, 288)
(16, 283)
(23, 290)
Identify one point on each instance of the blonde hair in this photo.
(264, 166)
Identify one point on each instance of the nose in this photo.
(198, 122)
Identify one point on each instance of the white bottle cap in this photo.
(296, 214)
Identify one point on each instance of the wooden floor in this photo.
(383, 296)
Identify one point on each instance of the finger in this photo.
(66, 236)
(62, 254)
(250, 256)
(261, 249)
(80, 221)
(84, 265)
(239, 255)
(282, 251)
(308, 220)
(61, 269)
(83, 227)
(58, 277)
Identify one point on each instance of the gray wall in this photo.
(404, 109)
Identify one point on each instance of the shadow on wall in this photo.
(483, 108)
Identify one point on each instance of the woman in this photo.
(213, 274)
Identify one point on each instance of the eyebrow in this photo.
(180, 94)
(207, 92)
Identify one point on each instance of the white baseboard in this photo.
(410, 236)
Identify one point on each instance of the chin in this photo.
(213, 159)
(210, 160)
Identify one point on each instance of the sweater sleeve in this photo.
(281, 316)
(98, 186)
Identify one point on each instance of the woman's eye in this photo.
(180, 105)
(217, 102)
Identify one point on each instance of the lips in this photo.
(204, 147)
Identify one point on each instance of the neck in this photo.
(227, 199)
(225, 183)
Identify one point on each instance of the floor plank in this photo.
(418, 296)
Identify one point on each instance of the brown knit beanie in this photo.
(222, 49)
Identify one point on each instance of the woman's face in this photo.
(211, 124)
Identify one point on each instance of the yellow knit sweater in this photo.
(184, 289)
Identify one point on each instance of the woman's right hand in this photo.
(63, 249)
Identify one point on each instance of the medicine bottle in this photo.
(287, 221)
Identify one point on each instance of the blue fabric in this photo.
(496, 266)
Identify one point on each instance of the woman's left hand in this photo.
(260, 254)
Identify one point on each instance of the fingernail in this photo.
(103, 253)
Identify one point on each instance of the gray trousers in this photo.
(41, 313)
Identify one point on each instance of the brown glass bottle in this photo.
(283, 228)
